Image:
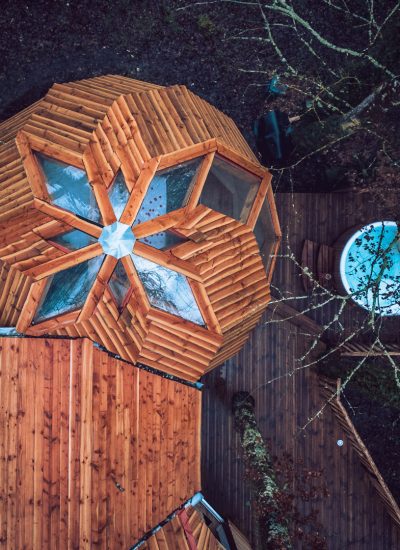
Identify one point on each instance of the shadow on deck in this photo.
(353, 516)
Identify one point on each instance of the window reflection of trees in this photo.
(69, 188)
(168, 290)
(168, 190)
(67, 290)
(370, 269)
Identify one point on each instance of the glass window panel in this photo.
(67, 290)
(119, 195)
(230, 189)
(119, 284)
(265, 234)
(168, 290)
(69, 188)
(163, 240)
(74, 240)
(168, 190)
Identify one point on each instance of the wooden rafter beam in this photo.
(55, 150)
(68, 218)
(259, 200)
(55, 323)
(31, 167)
(30, 306)
(205, 306)
(142, 184)
(274, 212)
(240, 160)
(188, 153)
(198, 184)
(167, 259)
(99, 188)
(161, 223)
(97, 290)
(65, 262)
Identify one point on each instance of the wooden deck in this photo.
(353, 516)
(323, 218)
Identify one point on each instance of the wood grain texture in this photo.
(110, 124)
(353, 515)
(81, 441)
(188, 530)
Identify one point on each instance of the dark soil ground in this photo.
(56, 41)
(220, 50)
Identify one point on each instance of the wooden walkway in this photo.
(353, 516)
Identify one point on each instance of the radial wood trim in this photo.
(188, 153)
(240, 160)
(67, 217)
(135, 200)
(98, 288)
(259, 200)
(31, 167)
(65, 262)
(199, 220)
(195, 191)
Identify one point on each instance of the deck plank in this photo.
(353, 516)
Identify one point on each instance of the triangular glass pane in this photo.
(67, 290)
(119, 284)
(265, 234)
(163, 240)
(168, 290)
(230, 189)
(168, 190)
(74, 240)
(69, 188)
(118, 195)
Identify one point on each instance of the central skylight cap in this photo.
(117, 240)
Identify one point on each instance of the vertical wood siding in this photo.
(93, 451)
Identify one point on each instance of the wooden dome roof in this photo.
(101, 166)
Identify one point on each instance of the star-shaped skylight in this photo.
(127, 237)
(166, 288)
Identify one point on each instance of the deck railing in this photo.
(330, 390)
(357, 349)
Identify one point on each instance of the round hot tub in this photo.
(370, 267)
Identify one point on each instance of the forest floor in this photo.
(44, 42)
(222, 51)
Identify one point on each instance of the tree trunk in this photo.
(317, 134)
(268, 496)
